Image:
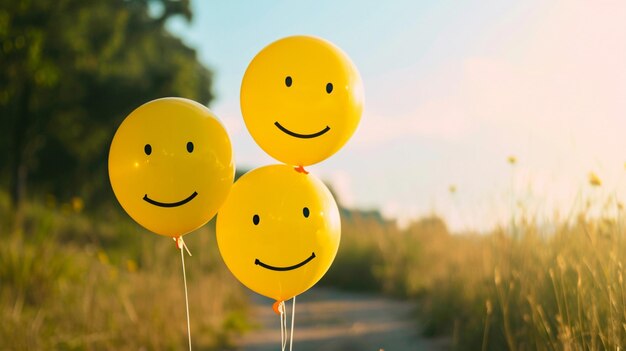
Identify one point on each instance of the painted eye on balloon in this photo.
(329, 88)
(288, 81)
(147, 149)
(306, 212)
(256, 219)
(190, 147)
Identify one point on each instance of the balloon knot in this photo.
(278, 307)
(180, 244)
(301, 169)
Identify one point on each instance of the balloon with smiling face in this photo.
(301, 99)
(278, 231)
(171, 165)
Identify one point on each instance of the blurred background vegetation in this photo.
(77, 274)
(71, 71)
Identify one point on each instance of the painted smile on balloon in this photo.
(282, 269)
(302, 136)
(169, 204)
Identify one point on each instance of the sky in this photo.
(452, 90)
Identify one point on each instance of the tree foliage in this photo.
(70, 71)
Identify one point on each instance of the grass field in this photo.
(538, 289)
(69, 282)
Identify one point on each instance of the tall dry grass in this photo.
(72, 282)
(556, 287)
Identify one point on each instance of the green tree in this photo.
(70, 71)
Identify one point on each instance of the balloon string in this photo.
(283, 325)
(180, 244)
(293, 316)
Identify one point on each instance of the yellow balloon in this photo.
(278, 231)
(171, 165)
(301, 99)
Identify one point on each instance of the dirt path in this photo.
(332, 320)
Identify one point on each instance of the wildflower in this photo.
(131, 266)
(77, 204)
(594, 180)
(102, 257)
(452, 189)
(512, 159)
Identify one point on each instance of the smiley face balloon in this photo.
(301, 99)
(278, 231)
(171, 165)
